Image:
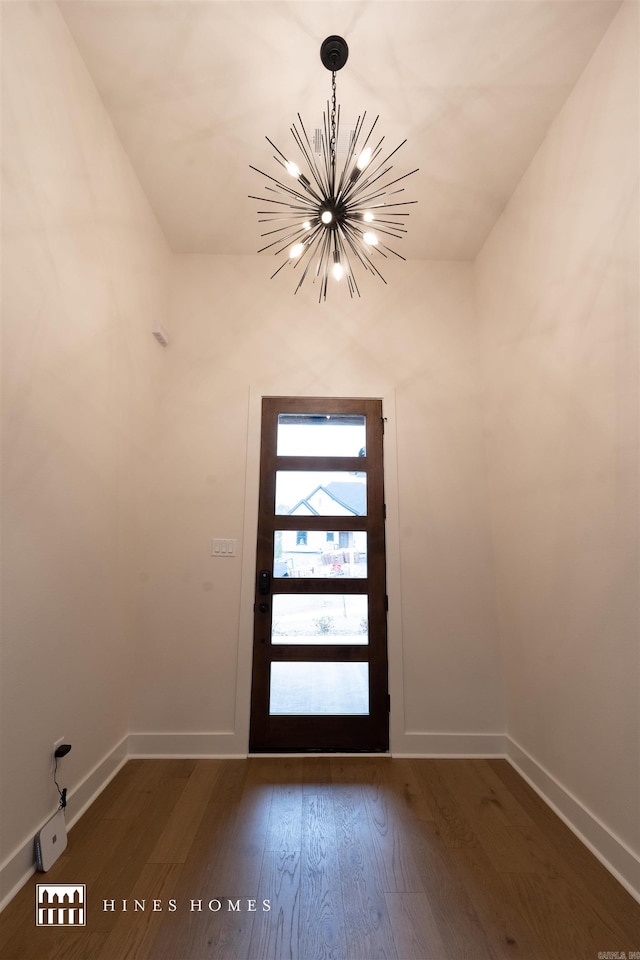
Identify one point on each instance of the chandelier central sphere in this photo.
(324, 217)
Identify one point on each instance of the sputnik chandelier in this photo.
(325, 222)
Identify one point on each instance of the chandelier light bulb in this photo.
(326, 217)
(367, 216)
(370, 238)
(306, 225)
(296, 250)
(364, 158)
(338, 271)
(293, 169)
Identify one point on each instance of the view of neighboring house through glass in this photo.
(320, 553)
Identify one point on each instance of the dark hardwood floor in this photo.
(357, 859)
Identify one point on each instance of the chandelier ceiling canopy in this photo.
(324, 221)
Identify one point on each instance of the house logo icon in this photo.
(60, 904)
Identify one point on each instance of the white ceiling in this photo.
(194, 87)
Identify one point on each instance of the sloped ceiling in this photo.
(194, 87)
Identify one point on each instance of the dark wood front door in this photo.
(320, 625)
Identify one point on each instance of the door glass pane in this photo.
(320, 553)
(317, 493)
(321, 435)
(320, 618)
(319, 688)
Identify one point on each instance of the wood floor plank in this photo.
(229, 932)
(411, 802)
(460, 927)
(500, 795)
(112, 799)
(253, 817)
(277, 933)
(143, 784)
(451, 824)
(391, 840)
(321, 913)
(284, 830)
(507, 933)
(415, 931)
(134, 931)
(367, 924)
(316, 775)
(557, 929)
(192, 930)
(125, 862)
(506, 850)
(175, 841)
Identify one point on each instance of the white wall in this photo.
(557, 291)
(83, 267)
(236, 334)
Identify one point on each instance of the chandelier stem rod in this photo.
(333, 132)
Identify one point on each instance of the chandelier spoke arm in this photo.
(270, 233)
(282, 186)
(311, 253)
(382, 220)
(398, 179)
(274, 243)
(273, 215)
(322, 269)
(301, 178)
(363, 207)
(346, 263)
(362, 255)
(355, 195)
(279, 152)
(370, 132)
(381, 191)
(299, 234)
(373, 175)
(348, 167)
(307, 153)
(295, 209)
(383, 246)
(357, 177)
(389, 232)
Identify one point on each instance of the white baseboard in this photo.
(223, 746)
(459, 745)
(610, 850)
(21, 864)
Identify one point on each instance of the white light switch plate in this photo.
(223, 548)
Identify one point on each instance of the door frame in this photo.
(337, 730)
(240, 735)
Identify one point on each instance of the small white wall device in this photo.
(51, 841)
